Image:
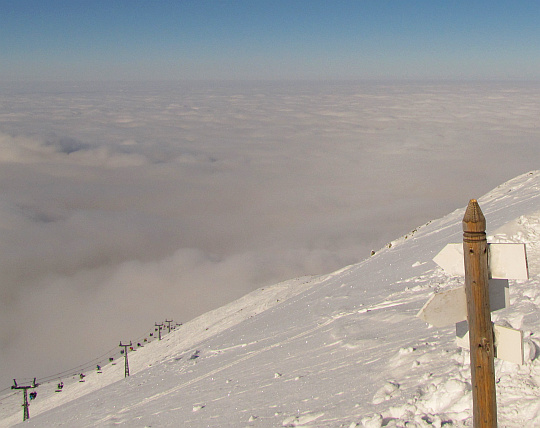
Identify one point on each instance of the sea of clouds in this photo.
(125, 204)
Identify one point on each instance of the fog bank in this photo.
(125, 204)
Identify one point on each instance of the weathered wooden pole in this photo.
(475, 252)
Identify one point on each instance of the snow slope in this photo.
(339, 350)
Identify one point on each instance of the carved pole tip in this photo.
(474, 220)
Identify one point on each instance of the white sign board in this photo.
(450, 258)
(445, 308)
(505, 261)
(450, 306)
(508, 341)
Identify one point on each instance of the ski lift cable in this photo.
(7, 396)
(81, 367)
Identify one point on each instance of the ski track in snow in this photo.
(340, 350)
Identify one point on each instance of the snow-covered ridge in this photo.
(344, 349)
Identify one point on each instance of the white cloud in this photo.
(121, 206)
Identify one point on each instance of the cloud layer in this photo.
(123, 205)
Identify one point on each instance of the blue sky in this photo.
(311, 39)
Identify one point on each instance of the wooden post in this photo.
(475, 253)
